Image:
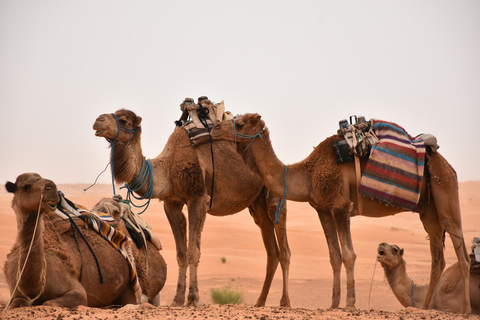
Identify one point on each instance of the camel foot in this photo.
(335, 305)
(192, 299)
(350, 308)
(19, 302)
(260, 303)
(285, 302)
(177, 302)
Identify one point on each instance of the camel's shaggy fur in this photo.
(330, 188)
(183, 175)
(59, 271)
(448, 295)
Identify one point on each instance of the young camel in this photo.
(330, 189)
(182, 175)
(149, 263)
(448, 294)
(60, 270)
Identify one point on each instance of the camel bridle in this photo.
(246, 136)
(146, 172)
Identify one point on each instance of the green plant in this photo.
(223, 259)
(226, 295)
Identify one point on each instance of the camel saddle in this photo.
(199, 119)
(358, 137)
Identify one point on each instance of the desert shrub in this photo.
(226, 295)
(223, 259)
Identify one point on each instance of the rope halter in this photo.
(246, 136)
(112, 144)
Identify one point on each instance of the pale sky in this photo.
(302, 65)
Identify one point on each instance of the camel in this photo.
(330, 188)
(60, 270)
(149, 263)
(448, 294)
(182, 175)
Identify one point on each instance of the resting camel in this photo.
(60, 269)
(446, 297)
(182, 175)
(149, 263)
(330, 189)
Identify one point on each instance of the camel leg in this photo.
(282, 240)
(258, 210)
(155, 301)
(178, 223)
(341, 216)
(196, 219)
(19, 302)
(447, 204)
(330, 232)
(70, 299)
(432, 226)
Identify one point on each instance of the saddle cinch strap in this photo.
(360, 137)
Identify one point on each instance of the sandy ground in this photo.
(237, 239)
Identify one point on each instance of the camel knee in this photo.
(349, 260)
(193, 258)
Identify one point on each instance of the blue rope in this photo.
(413, 290)
(146, 174)
(278, 211)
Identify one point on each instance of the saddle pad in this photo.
(113, 236)
(393, 174)
(198, 135)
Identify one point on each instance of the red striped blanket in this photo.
(393, 174)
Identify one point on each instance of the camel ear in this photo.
(401, 252)
(11, 187)
(138, 121)
(256, 118)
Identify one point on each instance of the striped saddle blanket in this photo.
(105, 225)
(393, 174)
(198, 135)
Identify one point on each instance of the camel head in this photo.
(241, 129)
(389, 256)
(113, 206)
(123, 130)
(28, 190)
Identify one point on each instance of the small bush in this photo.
(223, 259)
(226, 295)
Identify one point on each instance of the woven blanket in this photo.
(198, 135)
(393, 174)
(101, 223)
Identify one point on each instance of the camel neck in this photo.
(402, 286)
(272, 171)
(127, 160)
(32, 275)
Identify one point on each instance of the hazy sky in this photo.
(303, 65)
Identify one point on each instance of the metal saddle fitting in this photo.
(358, 134)
(205, 109)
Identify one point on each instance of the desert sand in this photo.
(237, 240)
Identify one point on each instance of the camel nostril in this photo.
(381, 252)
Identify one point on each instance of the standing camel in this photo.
(60, 269)
(330, 189)
(182, 175)
(448, 294)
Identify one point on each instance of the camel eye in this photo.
(395, 250)
(122, 121)
(26, 187)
